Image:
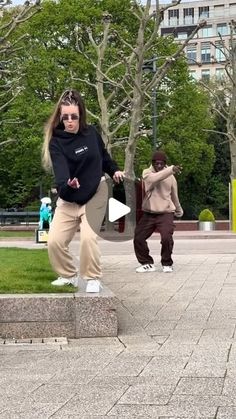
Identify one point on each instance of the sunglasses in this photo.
(72, 116)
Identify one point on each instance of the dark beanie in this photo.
(159, 155)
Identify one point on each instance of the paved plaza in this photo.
(174, 357)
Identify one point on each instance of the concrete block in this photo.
(37, 308)
(76, 315)
(95, 314)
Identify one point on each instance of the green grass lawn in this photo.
(25, 271)
(16, 234)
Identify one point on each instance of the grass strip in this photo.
(16, 234)
(27, 271)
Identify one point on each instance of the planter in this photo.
(206, 225)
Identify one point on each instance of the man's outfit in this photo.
(160, 205)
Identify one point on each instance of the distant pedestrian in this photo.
(45, 214)
(160, 205)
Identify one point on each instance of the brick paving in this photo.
(174, 357)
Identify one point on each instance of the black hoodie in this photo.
(82, 155)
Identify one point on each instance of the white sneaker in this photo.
(167, 269)
(59, 282)
(93, 285)
(148, 267)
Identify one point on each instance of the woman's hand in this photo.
(73, 183)
(118, 176)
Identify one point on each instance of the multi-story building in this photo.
(205, 60)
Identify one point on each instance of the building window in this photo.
(220, 73)
(219, 10)
(206, 53)
(219, 54)
(222, 29)
(203, 12)
(232, 9)
(207, 31)
(182, 35)
(191, 54)
(166, 34)
(189, 16)
(205, 75)
(193, 74)
(173, 16)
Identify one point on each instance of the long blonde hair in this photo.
(68, 97)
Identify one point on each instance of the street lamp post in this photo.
(154, 118)
(151, 66)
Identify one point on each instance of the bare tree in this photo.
(123, 100)
(223, 93)
(133, 87)
(10, 19)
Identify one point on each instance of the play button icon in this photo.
(116, 210)
(111, 213)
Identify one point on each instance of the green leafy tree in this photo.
(63, 55)
(185, 114)
(45, 64)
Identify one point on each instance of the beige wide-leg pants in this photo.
(67, 219)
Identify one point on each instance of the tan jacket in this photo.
(161, 191)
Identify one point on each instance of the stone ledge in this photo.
(77, 315)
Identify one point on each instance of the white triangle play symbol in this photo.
(116, 210)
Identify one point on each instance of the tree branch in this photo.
(11, 140)
(216, 132)
(92, 115)
(9, 101)
(20, 18)
(83, 81)
(119, 125)
(223, 112)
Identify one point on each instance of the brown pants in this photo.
(67, 219)
(164, 224)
